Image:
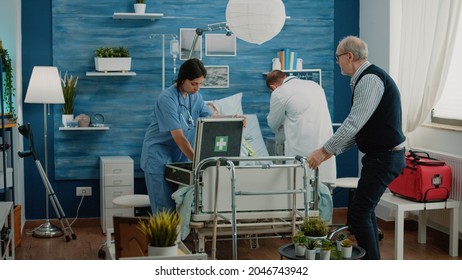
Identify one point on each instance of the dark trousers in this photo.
(378, 170)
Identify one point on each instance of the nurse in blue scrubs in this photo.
(170, 136)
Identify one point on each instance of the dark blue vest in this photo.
(383, 131)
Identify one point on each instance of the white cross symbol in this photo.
(220, 144)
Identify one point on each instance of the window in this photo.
(448, 109)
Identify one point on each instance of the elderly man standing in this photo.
(300, 106)
(374, 124)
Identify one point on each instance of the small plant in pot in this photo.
(69, 85)
(162, 232)
(299, 240)
(112, 59)
(347, 248)
(311, 248)
(326, 247)
(314, 228)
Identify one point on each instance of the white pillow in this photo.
(231, 105)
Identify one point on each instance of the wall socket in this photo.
(83, 191)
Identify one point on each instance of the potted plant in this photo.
(299, 240)
(339, 239)
(140, 6)
(326, 247)
(347, 248)
(9, 90)
(162, 232)
(112, 59)
(69, 85)
(314, 228)
(311, 247)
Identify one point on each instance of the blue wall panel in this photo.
(80, 27)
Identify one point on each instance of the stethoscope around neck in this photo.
(190, 121)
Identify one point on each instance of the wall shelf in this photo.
(85, 128)
(111, 74)
(150, 16)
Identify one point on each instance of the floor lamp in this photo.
(45, 88)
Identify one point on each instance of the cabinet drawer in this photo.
(113, 192)
(118, 168)
(118, 179)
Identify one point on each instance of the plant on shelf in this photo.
(9, 90)
(161, 230)
(112, 52)
(347, 248)
(140, 6)
(314, 227)
(69, 85)
(112, 59)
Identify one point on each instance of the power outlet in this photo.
(83, 191)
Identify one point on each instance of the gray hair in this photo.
(354, 45)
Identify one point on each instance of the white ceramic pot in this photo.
(310, 254)
(66, 118)
(105, 64)
(325, 254)
(140, 8)
(300, 250)
(163, 251)
(346, 252)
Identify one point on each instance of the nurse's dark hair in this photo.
(191, 69)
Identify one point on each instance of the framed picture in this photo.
(187, 38)
(217, 76)
(220, 45)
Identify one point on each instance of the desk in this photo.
(288, 251)
(401, 205)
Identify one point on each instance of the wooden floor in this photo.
(90, 239)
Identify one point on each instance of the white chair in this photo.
(132, 200)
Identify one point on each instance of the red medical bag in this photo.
(424, 179)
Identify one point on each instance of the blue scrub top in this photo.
(171, 112)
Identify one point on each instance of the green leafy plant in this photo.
(112, 52)
(69, 85)
(312, 244)
(9, 90)
(161, 230)
(314, 226)
(327, 244)
(140, 1)
(299, 238)
(346, 243)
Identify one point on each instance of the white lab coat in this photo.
(300, 106)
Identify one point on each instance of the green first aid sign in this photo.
(221, 144)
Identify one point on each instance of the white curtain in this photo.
(428, 33)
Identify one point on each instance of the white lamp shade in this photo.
(45, 86)
(255, 21)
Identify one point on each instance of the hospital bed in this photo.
(247, 197)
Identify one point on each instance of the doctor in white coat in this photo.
(300, 107)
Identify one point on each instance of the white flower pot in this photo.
(66, 118)
(105, 64)
(300, 250)
(346, 252)
(163, 251)
(310, 254)
(325, 254)
(140, 8)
